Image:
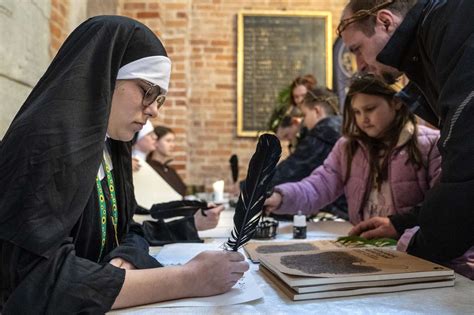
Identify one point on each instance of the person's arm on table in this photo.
(209, 273)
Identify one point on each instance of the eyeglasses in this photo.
(153, 93)
(361, 14)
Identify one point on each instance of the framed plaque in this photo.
(274, 47)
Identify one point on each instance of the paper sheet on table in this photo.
(243, 291)
(223, 228)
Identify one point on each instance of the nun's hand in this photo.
(122, 263)
(215, 272)
(135, 164)
(210, 220)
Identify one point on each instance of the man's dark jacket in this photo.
(434, 47)
(311, 153)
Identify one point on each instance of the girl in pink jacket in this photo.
(384, 163)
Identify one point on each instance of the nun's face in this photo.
(128, 115)
(147, 143)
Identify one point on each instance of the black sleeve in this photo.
(60, 284)
(309, 154)
(403, 221)
(134, 249)
(159, 233)
(447, 216)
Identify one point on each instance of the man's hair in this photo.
(367, 22)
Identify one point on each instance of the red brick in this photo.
(181, 15)
(219, 43)
(148, 15)
(55, 31)
(212, 50)
(63, 9)
(135, 6)
(199, 42)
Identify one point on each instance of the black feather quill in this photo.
(176, 208)
(234, 167)
(253, 194)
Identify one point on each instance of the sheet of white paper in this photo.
(223, 228)
(177, 254)
(181, 253)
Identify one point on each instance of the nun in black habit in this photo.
(67, 240)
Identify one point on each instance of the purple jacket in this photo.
(326, 183)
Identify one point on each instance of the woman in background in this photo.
(162, 156)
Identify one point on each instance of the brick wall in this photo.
(201, 39)
(58, 24)
(200, 36)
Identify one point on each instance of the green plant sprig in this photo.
(357, 241)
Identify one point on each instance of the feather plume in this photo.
(234, 167)
(254, 191)
(176, 208)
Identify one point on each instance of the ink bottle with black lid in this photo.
(299, 226)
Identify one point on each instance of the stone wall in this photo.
(24, 53)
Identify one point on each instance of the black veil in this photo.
(50, 154)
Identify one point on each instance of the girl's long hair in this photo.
(380, 149)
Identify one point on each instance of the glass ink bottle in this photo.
(299, 226)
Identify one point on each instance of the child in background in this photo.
(384, 163)
(320, 109)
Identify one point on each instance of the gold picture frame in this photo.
(324, 17)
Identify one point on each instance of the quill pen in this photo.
(177, 208)
(234, 167)
(254, 191)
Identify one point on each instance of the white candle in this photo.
(218, 188)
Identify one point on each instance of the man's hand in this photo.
(272, 203)
(375, 227)
(122, 263)
(210, 220)
(215, 272)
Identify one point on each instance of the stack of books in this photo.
(343, 272)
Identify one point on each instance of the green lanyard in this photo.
(103, 211)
